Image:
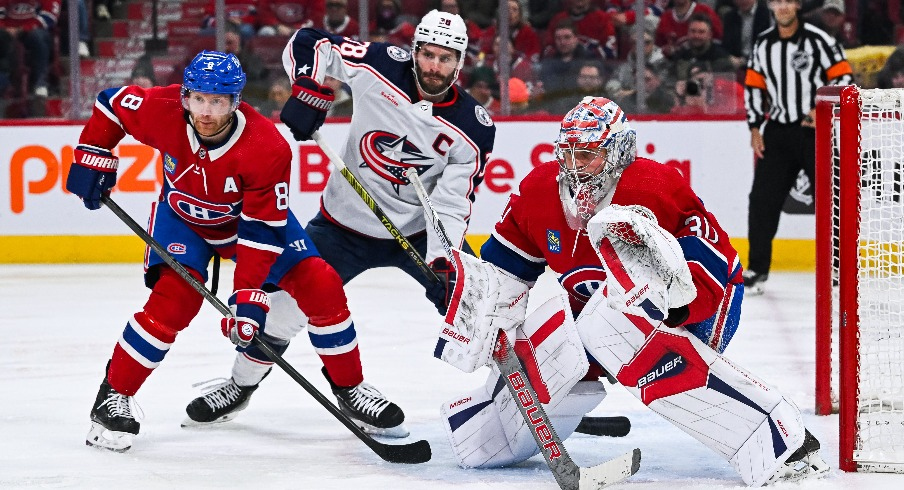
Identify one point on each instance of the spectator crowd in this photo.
(694, 53)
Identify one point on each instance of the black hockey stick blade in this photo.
(605, 426)
(411, 453)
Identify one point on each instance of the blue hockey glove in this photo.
(92, 174)
(249, 308)
(440, 292)
(306, 110)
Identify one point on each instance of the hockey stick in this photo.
(374, 207)
(595, 426)
(568, 475)
(411, 453)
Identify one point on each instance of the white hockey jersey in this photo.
(393, 130)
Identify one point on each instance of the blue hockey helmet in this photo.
(213, 72)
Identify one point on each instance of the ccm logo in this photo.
(544, 433)
(456, 336)
(460, 402)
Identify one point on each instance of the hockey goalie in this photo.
(656, 288)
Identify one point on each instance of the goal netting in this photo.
(860, 273)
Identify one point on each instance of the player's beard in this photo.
(433, 83)
(216, 132)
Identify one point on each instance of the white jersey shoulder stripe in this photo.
(509, 245)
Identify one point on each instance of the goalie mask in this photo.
(594, 147)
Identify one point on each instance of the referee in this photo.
(789, 61)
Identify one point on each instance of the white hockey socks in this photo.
(284, 321)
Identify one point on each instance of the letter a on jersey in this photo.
(230, 185)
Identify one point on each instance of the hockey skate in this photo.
(221, 403)
(754, 282)
(369, 409)
(112, 423)
(803, 463)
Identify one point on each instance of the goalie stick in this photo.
(411, 453)
(568, 475)
(594, 426)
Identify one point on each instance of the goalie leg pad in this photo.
(485, 300)
(486, 430)
(718, 403)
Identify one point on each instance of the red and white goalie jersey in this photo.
(533, 233)
(234, 195)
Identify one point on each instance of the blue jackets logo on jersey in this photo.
(582, 282)
(198, 212)
(390, 155)
(554, 241)
(169, 163)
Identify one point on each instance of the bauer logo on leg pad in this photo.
(665, 356)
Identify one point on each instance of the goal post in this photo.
(860, 273)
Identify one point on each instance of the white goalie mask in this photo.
(442, 29)
(594, 147)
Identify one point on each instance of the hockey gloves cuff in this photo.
(439, 292)
(306, 110)
(250, 308)
(92, 175)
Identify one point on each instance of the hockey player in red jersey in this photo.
(221, 196)
(656, 287)
(409, 113)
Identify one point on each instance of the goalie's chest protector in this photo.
(538, 214)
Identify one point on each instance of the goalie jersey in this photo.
(533, 233)
(234, 195)
(393, 130)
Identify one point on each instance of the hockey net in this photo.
(860, 273)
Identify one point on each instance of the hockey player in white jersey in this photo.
(658, 288)
(408, 113)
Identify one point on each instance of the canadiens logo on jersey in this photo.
(202, 213)
(582, 282)
(390, 155)
(169, 163)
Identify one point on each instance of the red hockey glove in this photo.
(249, 308)
(92, 175)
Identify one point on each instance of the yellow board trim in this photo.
(788, 255)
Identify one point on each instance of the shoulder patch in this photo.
(482, 115)
(398, 53)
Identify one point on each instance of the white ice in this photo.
(59, 325)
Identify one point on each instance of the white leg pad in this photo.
(487, 431)
(725, 407)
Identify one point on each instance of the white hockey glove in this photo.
(646, 268)
(485, 300)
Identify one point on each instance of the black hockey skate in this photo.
(112, 423)
(369, 409)
(220, 404)
(803, 463)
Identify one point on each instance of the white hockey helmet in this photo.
(443, 29)
(596, 123)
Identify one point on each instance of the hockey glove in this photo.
(249, 308)
(92, 175)
(439, 292)
(306, 110)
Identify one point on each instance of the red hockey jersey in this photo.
(533, 233)
(234, 195)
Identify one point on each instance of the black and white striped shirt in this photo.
(783, 74)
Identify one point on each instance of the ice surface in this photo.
(59, 325)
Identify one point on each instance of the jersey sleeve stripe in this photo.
(509, 245)
(512, 260)
(260, 246)
(104, 103)
(698, 250)
(277, 223)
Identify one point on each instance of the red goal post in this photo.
(860, 273)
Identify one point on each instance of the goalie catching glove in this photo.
(306, 110)
(249, 309)
(647, 272)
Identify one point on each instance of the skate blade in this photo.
(811, 467)
(398, 431)
(189, 423)
(102, 438)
